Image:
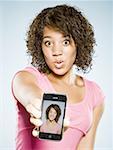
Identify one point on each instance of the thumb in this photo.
(66, 123)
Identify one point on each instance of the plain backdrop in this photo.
(15, 17)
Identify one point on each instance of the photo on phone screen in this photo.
(53, 113)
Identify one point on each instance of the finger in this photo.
(66, 124)
(33, 111)
(37, 103)
(35, 132)
(36, 122)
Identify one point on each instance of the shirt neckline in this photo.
(69, 103)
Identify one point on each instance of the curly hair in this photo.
(69, 21)
(57, 109)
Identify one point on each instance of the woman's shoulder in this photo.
(26, 74)
(58, 126)
(96, 92)
(44, 124)
(91, 83)
(82, 81)
(32, 69)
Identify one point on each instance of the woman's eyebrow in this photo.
(46, 37)
(64, 36)
(67, 36)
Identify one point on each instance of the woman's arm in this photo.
(25, 88)
(27, 92)
(87, 142)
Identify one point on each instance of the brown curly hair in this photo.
(69, 21)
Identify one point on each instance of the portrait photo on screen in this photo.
(52, 117)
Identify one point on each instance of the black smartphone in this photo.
(53, 113)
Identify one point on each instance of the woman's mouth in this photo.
(59, 64)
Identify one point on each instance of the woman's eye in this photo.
(66, 42)
(48, 43)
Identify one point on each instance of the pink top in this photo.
(56, 128)
(80, 114)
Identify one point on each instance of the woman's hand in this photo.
(34, 109)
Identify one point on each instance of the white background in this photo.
(15, 17)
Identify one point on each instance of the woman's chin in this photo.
(59, 72)
(51, 120)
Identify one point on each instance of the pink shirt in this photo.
(80, 114)
(56, 128)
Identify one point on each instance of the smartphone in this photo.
(53, 113)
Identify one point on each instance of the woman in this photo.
(59, 38)
(51, 125)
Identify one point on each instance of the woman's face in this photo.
(59, 51)
(52, 114)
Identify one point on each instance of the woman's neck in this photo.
(68, 78)
(51, 122)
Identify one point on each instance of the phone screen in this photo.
(53, 113)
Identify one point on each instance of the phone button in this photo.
(50, 136)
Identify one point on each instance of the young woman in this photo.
(59, 38)
(51, 125)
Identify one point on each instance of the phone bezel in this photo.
(53, 97)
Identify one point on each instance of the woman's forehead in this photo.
(48, 32)
(53, 109)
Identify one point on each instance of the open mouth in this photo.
(59, 64)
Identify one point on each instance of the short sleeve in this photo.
(98, 94)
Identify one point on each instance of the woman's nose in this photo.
(57, 50)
